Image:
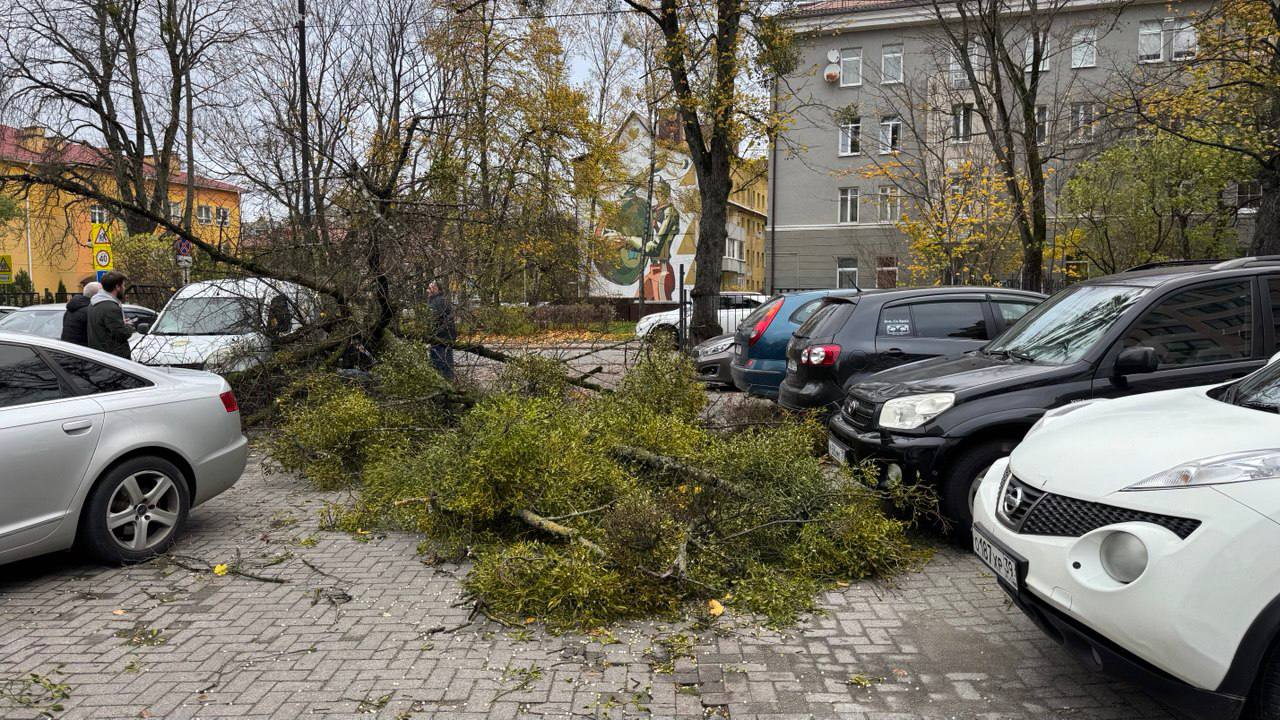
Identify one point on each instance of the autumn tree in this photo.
(712, 51)
(1225, 94)
(1148, 197)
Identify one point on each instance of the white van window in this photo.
(209, 316)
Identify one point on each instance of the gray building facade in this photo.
(877, 91)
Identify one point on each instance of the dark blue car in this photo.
(760, 345)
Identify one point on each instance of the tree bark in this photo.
(1266, 230)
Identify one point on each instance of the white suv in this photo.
(1144, 534)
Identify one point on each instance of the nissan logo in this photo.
(1012, 500)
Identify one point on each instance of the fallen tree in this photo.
(583, 509)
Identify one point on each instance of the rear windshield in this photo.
(827, 319)
(805, 311)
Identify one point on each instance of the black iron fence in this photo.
(151, 296)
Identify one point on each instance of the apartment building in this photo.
(879, 94)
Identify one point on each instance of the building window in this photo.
(956, 73)
(1150, 41)
(847, 272)
(890, 134)
(962, 123)
(891, 64)
(1029, 53)
(851, 138)
(222, 216)
(98, 215)
(887, 271)
(890, 204)
(849, 205)
(175, 211)
(1042, 124)
(1248, 197)
(1084, 48)
(204, 215)
(850, 67)
(1183, 42)
(1084, 121)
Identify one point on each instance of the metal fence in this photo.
(152, 296)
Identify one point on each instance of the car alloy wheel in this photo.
(143, 511)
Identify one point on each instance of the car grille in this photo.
(860, 412)
(1044, 513)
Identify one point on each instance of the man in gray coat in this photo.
(108, 331)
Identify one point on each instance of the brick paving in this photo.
(361, 628)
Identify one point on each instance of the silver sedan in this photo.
(104, 453)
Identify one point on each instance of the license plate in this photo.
(836, 451)
(1003, 564)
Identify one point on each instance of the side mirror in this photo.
(142, 328)
(1137, 360)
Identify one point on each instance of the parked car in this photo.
(760, 358)
(666, 325)
(712, 358)
(1134, 531)
(853, 336)
(105, 453)
(948, 419)
(225, 325)
(46, 320)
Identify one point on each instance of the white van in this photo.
(225, 325)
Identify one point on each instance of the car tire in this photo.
(1264, 701)
(135, 511)
(960, 484)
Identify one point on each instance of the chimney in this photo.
(32, 139)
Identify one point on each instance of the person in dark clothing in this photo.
(108, 331)
(75, 319)
(444, 333)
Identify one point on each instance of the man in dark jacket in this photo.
(75, 320)
(444, 333)
(107, 329)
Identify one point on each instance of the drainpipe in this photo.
(30, 270)
(771, 212)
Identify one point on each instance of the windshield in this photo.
(1062, 329)
(1260, 391)
(45, 323)
(208, 316)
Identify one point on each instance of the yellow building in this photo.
(748, 212)
(50, 236)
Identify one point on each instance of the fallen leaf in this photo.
(220, 569)
(118, 612)
(715, 608)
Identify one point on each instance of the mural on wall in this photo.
(630, 265)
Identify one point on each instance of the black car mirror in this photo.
(142, 328)
(1135, 360)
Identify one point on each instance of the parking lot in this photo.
(340, 625)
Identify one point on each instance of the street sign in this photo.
(6, 269)
(101, 244)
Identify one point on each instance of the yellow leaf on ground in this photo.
(715, 608)
(220, 569)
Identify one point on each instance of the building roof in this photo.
(835, 7)
(72, 152)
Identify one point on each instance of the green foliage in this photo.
(8, 209)
(22, 282)
(567, 520)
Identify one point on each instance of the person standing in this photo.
(444, 333)
(107, 330)
(75, 319)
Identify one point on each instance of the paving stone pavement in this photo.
(359, 627)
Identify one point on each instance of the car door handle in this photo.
(76, 426)
(894, 351)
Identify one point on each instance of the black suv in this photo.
(851, 337)
(1152, 328)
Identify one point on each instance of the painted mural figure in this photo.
(631, 259)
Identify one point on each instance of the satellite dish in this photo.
(833, 56)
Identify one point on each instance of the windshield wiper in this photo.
(1014, 354)
(1255, 405)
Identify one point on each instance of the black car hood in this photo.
(970, 375)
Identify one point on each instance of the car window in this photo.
(738, 302)
(45, 323)
(959, 320)
(1273, 287)
(803, 312)
(1207, 324)
(1012, 310)
(25, 378)
(90, 377)
(895, 322)
(827, 320)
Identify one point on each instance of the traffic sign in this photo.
(6, 269)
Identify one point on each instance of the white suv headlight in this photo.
(912, 411)
(1216, 470)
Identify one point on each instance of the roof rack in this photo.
(1170, 263)
(1247, 262)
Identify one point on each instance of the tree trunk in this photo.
(709, 260)
(1266, 230)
